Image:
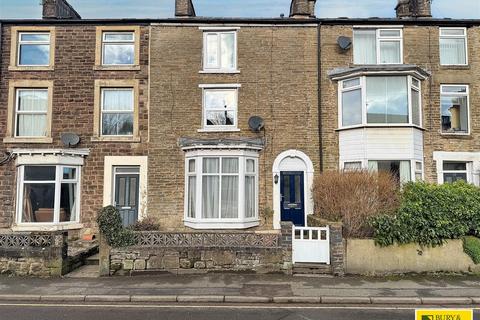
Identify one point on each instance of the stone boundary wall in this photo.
(197, 252)
(365, 258)
(33, 254)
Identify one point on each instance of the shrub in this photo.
(147, 224)
(471, 246)
(110, 225)
(353, 198)
(430, 214)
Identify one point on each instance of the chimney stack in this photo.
(184, 9)
(59, 9)
(302, 9)
(414, 9)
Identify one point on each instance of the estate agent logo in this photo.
(445, 314)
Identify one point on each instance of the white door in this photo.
(311, 245)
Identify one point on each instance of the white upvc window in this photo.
(453, 46)
(221, 189)
(418, 171)
(352, 165)
(220, 108)
(377, 46)
(455, 111)
(401, 170)
(31, 112)
(48, 194)
(33, 49)
(380, 100)
(117, 110)
(456, 170)
(118, 48)
(220, 51)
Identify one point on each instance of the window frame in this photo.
(242, 222)
(58, 184)
(15, 48)
(21, 42)
(103, 112)
(99, 50)
(219, 69)
(363, 88)
(220, 128)
(468, 170)
(378, 40)
(125, 42)
(464, 37)
(467, 94)
(18, 112)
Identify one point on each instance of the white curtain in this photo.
(405, 172)
(192, 192)
(227, 50)
(452, 51)
(32, 124)
(212, 51)
(373, 166)
(210, 196)
(118, 100)
(364, 50)
(249, 196)
(390, 52)
(229, 188)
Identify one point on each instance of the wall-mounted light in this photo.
(275, 178)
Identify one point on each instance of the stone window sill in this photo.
(221, 225)
(31, 68)
(28, 140)
(47, 227)
(219, 130)
(116, 139)
(116, 68)
(219, 72)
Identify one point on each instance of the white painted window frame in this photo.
(464, 37)
(20, 43)
(241, 222)
(363, 88)
(467, 171)
(379, 39)
(58, 184)
(103, 112)
(467, 94)
(18, 112)
(418, 171)
(218, 68)
(118, 42)
(225, 87)
(471, 158)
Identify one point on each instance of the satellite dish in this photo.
(344, 42)
(70, 139)
(256, 123)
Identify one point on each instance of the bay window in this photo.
(400, 170)
(385, 100)
(453, 46)
(48, 194)
(377, 46)
(454, 109)
(221, 190)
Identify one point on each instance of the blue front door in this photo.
(292, 197)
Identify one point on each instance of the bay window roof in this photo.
(400, 69)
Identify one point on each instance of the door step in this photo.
(312, 268)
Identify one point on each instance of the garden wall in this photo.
(364, 257)
(197, 252)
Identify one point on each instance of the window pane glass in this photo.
(387, 100)
(31, 125)
(68, 202)
(352, 107)
(212, 50)
(250, 165)
(351, 83)
(117, 124)
(455, 166)
(220, 99)
(211, 165)
(230, 165)
(118, 100)
(224, 118)
(37, 37)
(390, 52)
(454, 114)
(121, 36)
(298, 193)
(454, 89)
(389, 33)
(400, 170)
(452, 32)
(34, 55)
(127, 169)
(250, 198)
(228, 50)
(33, 100)
(192, 196)
(352, 166)
(210, 197)
(418, 166)
(230, 197)
(69, 173)
(38, 202)
(364, 47)
(416, 107)
(415, 83)
(39, 173)
(191, 165)
(452, 177)
(118, 54)
(452, 51)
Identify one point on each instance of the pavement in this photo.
(248, 288)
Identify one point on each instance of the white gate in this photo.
(311, 245)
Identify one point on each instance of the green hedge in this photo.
(471, 246)
(111, 227)
(430, 214)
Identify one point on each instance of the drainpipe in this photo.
(319, 94)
